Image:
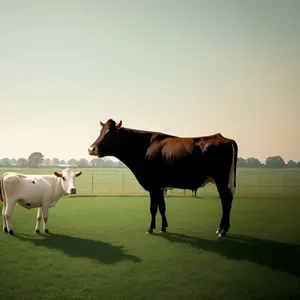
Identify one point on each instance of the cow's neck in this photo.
(133, 148)
(57, 187)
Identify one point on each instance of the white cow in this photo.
(35, 191)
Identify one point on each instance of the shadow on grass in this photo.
(80, 247)
(275, 255)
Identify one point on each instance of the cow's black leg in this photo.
(153, 210)
(162, 210)
(226, 200)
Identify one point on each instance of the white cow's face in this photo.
(68, 180)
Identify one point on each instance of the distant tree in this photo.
(298, 164)
(253, 163)
(241, 162)
(22, 162)
(275, 162)
(291, 164)
(97, 163)
(13, 161)
(108, 163)
(5, 162)
(55, 161)
(72, 162)
(83, 163)
(35, 159)
(120, 164)
(62, 162)
(47, 162)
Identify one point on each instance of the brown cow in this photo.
(161, 160)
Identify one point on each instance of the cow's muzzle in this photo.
(73, 191)
(93, 150)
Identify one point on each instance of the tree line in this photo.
(37, 160)
(271, 162)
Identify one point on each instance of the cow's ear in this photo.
(57, 174)
(119, 124)
(101, 124)
(78, 174)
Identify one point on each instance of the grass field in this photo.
(98, 248)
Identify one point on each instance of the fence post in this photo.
(92, 184)
(122, 184)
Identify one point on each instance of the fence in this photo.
(250, 182)
(121, 182)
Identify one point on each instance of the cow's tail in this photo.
(1, 189)
(233, 166)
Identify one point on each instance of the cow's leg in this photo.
(7, 215)
(153, 209)
(38, 220)
(3, 217)
(162, 210)
(226, 200)
(45, 211)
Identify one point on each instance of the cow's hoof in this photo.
(150, 230)
(5, 229)
(47, 231)
(222, 233)
(11, 232)
(163, 230)
(37, 231)
(218, 231)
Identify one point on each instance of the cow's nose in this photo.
(72, 191)
(92, 150)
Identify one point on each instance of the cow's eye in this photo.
(64, 178)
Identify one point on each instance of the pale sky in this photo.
(187, 68)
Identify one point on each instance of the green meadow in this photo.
(97, 247)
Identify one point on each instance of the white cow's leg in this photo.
(45, 216)
(38, 220)
(8, 213)
(3, 217)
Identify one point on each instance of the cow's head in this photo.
(107, 140)
(68, 180)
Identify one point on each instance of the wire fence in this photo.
(254, 182)
(258, 182)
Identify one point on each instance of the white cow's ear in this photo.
(57, 174)
(78, 174)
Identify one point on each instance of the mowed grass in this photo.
(98, 249)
